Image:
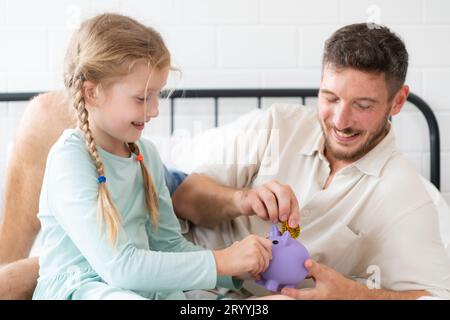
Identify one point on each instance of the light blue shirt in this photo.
(157, 263)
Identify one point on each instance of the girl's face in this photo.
(119, 114)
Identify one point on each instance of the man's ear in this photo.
(89, 93)
(399, 100)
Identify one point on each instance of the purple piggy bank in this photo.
(286, 269)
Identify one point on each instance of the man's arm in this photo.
(205, 202)
(44, 120)
(18, 279)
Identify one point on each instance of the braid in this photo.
(106, 211)
(83, 124)
(151, 197)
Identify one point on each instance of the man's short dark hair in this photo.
(370, 48)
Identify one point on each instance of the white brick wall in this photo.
(294, 12)
(217, 12)
(192, 41)
(390, 12)
(311, 44)
(237, 44)
(257, 47)
(436, 11)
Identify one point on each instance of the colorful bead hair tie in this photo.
(101, 179)
(139, 157)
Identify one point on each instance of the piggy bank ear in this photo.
(274, 232)
(285, 237)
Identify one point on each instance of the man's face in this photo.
(353, 110)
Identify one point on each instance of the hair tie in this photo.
(139, 157)
(101, 179)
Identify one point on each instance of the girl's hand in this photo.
(248, 256)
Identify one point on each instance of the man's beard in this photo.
(368, 145)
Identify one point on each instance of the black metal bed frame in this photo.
(302, 94)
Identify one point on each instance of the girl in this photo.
(108, 227)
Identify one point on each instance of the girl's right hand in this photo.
(248, 256)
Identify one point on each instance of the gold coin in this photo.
(295, 232)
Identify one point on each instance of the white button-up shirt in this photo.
(375, 220)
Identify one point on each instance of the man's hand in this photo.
(331, 285)
(272, 201)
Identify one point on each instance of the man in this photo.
(370, 226)
(44, 120)
(347, 179)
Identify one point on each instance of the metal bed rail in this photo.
(301, 94)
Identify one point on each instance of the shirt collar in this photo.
(315, 143)
(372, 163)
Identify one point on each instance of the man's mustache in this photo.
(344, 131)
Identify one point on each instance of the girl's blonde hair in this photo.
(105, 47)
